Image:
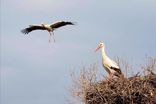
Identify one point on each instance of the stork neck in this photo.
(103, 53)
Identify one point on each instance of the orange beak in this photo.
(97, 48)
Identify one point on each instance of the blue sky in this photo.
(36, 72)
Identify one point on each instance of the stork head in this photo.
(99, 46)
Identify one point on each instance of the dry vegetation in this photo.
(138, 89)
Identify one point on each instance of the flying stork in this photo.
(110, 66)
(49, 27)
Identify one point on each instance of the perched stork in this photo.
(111, 67)
(49, 27)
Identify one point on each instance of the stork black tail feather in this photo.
(118, 72)
(116, 69)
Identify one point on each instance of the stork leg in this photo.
(50, 37)
(110, 76)
(53, 36)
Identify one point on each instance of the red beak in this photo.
(97, 48)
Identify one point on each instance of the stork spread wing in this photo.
(60, 24)
(33, 27)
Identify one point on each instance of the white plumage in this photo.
(49, 27)
(111, 67)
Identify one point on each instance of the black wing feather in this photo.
(32, 28)
(60, 24)
(116, 69)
